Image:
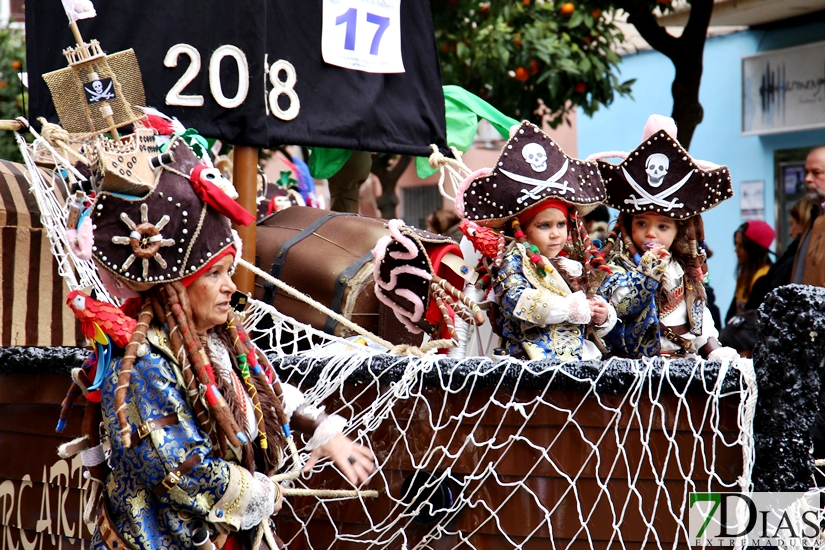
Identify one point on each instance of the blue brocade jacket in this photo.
(148, 504)
(637, 334)
(536, 313)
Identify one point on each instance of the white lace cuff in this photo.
(291, 399)
(329, 428)
(578, 310)
(261, 501)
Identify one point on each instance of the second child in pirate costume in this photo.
(543, 281)
(658, 250)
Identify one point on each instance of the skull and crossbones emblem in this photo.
(656, 167)
(536, 156)
(98, 93)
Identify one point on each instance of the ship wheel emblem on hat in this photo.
(145, 239)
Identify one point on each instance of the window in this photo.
(419, 202)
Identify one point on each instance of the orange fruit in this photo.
(522, 74)
(568, 7)
(16, 64)
(580, 87)
(596, 14)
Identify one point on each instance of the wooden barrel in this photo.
(326, 255)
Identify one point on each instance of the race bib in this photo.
(363, 35)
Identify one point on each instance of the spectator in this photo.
(780, 272)
(753, 240)
(596, 223)
(808, 264)
(752, 244)
(444, 222)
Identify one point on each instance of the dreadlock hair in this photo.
(687, 248)
(168, 303)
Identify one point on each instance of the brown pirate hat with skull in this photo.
(659, 176)
(530, 169)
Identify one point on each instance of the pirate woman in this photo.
(193, 416)
(658, 250)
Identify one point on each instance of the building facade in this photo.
(756, 87)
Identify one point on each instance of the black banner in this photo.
(193, 55)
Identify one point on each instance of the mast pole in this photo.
(245, 179)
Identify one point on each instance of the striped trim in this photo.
(32, 293)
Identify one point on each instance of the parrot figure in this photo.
(485, 240)
(101, 322)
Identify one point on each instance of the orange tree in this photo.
(518, 53)
(531, 57)
(12, 94)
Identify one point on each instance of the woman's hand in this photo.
(355, 461)
(598, 311)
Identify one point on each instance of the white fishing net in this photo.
(483, 453)
(507, 454)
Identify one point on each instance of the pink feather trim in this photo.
(659, 122)
(395, 230)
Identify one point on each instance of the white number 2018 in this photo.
(175, 96)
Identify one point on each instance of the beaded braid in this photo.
(612, 239)
(179, 303)
(125, 374)
(269, 411)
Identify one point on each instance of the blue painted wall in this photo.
(717, 138)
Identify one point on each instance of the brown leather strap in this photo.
(305, 423)
(679, 330)
(712, 344)
(151, 425)
(174, 477)
(108, 532)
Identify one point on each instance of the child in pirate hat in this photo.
(543, 279)
(658, 250)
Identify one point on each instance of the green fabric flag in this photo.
(462, 111)
(325, 163)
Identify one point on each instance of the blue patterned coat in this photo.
(143, 518)
(530, 317)
(637, 334)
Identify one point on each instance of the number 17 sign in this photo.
(363, 35)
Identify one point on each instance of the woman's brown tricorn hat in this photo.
(161, 236)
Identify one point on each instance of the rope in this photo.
(403, 349)
(57, 136)
(329, 493)
(317, 305)
(455, 166)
